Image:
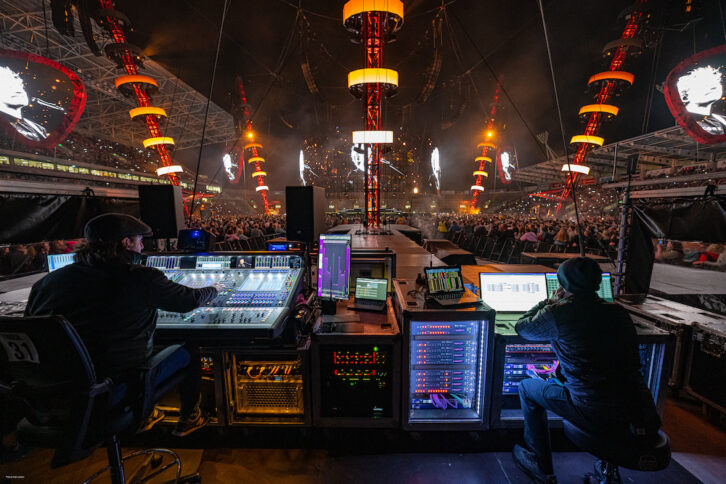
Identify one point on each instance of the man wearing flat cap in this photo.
(112, 302)
(598, 385)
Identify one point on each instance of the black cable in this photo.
(45, 24)
(651, 85)
(496, 79)
(206, 110)
(580, 241)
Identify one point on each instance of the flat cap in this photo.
(110, 227)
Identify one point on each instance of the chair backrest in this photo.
(43, 353)
(44, 364)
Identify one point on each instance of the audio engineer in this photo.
(112, 302)
(597, 385)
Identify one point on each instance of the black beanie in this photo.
(110, 227)
(579, 275)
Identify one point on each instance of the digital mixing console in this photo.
(258, 291)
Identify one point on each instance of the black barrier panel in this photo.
(703, 220)
(28, 218)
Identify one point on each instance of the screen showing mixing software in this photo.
(371, 289)
(334, 266)
(444, 279)
(56, 261)
(605, 291)
(512, 292)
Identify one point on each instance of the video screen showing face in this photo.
(34, 97)
(702, 92)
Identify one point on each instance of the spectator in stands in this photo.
(712, 254)
(17, 260)
(672, 253)
(529, 235)
(230, 236)
(718, 264)
(562, 238)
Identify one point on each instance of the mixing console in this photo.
(258, 290)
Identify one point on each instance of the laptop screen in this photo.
(512, 292)
(371, 289)
(56, 261)
(605, 291)
(442, 280)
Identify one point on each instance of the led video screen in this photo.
(40, 100)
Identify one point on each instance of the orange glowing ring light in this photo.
(259, 173)
(372, 76)
(146, 111)
(482, 173)
(482, 158)
(600, 108)
(486, 145)
(612, 76)
(160, 140)
(356, 7)
(249, 146)
(256, 158)
(583, 138)
(134, 78)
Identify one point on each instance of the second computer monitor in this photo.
(334, 266)
(605, 291)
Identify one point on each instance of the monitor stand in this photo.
(329, 306)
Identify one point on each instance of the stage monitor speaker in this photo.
(162, 209)
(305, 213)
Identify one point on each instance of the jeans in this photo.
(190, 386)
(538, 396)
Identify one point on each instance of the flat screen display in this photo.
(371, 289)
(334, 266)
(605, 290)
(56, 261)
(512, 292)
(444, 279)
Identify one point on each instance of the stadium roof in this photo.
(106, 113)
(659, 148)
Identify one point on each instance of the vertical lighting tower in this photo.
(488, 153)
(373, 23)
(128, 57)
(256, 157)
(608, 84)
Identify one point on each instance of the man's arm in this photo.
(537, 324)
(164, 294)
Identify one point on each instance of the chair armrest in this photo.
(147, 373)
(156, 359)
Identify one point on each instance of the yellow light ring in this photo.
(372, 76)
(612, 76)
(161, 140)
(249, 146)
(600, 108)
(482, 158)
(355, 7)
(259, 173)
(134, 78)
(583, 138)
(487, 145)
(482, 173)
(147, 110)
(255, 159)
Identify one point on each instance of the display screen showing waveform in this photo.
(446, 279)
(334, 266)
(605, 290)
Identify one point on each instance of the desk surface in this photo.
(560, 255)
(348, 322)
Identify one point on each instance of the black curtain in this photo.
(27, 218)
(703, 220)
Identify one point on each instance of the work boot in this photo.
(527, 463)
(153, 419)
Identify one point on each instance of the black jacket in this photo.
(113, 308)
(596, 344)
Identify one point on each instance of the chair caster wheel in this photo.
(155, 460)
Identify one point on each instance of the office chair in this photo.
(45, 365)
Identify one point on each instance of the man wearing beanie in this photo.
(599, 386)
(112, 302)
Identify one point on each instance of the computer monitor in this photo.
(442, 280)
(371, 289)
(334, 266)
(56, 261)
(512, 292)
(605, 291)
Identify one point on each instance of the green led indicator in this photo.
(375, 348)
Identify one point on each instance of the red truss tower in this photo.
(373, 23)
(488, 153)
(607, 85)
(128, 57)
(255, 157)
